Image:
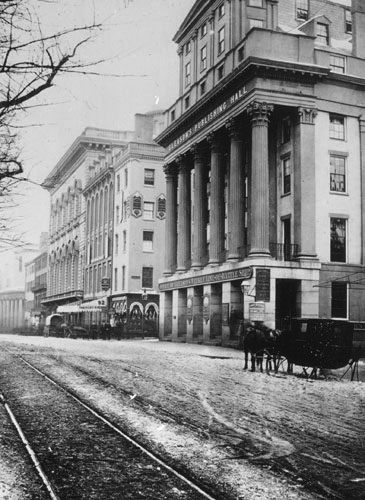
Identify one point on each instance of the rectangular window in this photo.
(338, 174)
(203, 58)
(149, 177)
(148, 210)
(124, 241)
(116, 244)
(220, 72)
(337, 64)
(188, 47)
(123, 277)
(255, 3)
(322, 35)
(338, 239)
(221, 41)
(221, 10)
(256, 23)
(302, 9)
(115, 278)
(148, 241)
(117, 215)
(241, 54)
(286, 168)
(187, 74)
(147, 277)
(203, 30)
(126, 177)
(118, 183)
(337, 127)
(348, 21)
(173, 115)
(285, 130)
(187, 102)
(338, 299)
(203, 88)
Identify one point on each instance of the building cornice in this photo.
(250, 68)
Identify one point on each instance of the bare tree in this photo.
(30, 60)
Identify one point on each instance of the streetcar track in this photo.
(118, 431)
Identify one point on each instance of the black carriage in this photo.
(318, 343)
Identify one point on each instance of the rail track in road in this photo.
(78, 452)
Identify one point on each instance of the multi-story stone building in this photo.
(265, 167)
(67, 248)
(139, 224)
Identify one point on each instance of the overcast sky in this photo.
(136, 40)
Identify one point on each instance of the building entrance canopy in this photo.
(69, 308)
(97, 305)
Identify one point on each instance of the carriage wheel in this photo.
(282, 364)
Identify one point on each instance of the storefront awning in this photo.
(69, 308)
(96, 305)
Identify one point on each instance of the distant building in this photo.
(67, 247)
(265, 167)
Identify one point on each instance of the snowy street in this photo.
(256, 435)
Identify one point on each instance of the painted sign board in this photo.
(256, 311)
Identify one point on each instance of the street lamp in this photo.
(245, 287)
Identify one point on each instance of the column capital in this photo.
(232, 126)
(180, 50)
(181, 163)
(169, 170)
(213, 141)
(260, 112)
(197, 151)
(307, 115)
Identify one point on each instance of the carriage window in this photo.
(339, 299)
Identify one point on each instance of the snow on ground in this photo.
(310, 427)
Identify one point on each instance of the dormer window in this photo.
(322, 34)
(302, 10)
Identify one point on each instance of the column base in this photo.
(302, 257)
(181, 270)
(259, 253)
(234, 257)
(213, 263)
(196, 267)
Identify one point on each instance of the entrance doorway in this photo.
(287, 301)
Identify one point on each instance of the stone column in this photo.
(260, 112)
(305, 185)
(216, 244)
(184, 216)
(236, 193)
(200, 209)
(171, 220)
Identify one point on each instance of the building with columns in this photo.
(265, 159)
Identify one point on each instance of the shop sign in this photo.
(256, 311)
(236, 274)
(263, 285)
(105, 283)
(189, 308)
(210, 117)
(206, 307)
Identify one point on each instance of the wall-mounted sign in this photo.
(243, 274)
(263, 285)
(256, 311)
(189, 308)
(209, 117)
(206, 307)
(105, 283)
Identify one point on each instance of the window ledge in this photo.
(339, 193)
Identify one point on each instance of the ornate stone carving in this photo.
(233, 128)
(213, 141)
(260, 112)
(307, 115)
(169, 170)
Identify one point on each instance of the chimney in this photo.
(358, 28)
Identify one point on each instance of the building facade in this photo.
(265, 167)
(138, 236)
(67, 248)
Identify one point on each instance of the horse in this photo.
(258, 341)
